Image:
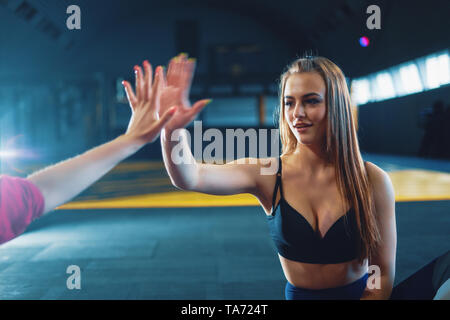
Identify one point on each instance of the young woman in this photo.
(23, 200)
(331, 215)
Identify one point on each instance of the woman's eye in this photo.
(288, 103)
(313, 101)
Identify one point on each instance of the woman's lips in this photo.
(303, 129)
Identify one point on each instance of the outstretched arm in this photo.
(63, 181)
(185, 173)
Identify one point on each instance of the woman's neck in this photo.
(313, 157)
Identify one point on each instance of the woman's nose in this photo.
(299, 111)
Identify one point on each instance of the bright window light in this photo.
(410, 78)
(437, 70)
(8, 153)
(423, 73)
(360, 91)
(384, 86)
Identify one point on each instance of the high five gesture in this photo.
(176, 93)
(145, 123)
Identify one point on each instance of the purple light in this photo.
(364, 41)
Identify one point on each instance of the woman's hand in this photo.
(231, 178)
(176, 93)
(145, 123)
(85, 169)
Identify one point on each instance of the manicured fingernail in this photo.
(192, 60)
(208, 101)
(173, 109)
(136, 69)
(146, 62)
(123, 82)
(183, 54)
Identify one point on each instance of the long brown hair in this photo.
(342, 147)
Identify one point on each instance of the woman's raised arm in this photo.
(241, 176)
(63, 181)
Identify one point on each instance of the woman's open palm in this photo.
(147, 120)
(175, 92)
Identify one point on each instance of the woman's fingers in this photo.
(178, 68)
(174, 72)
(198, 106)
(170, 70)
(183, 72)
(187, 74)
(130, 94)
(156, 90)
(163, 77)
(139, 82)
(148, 76)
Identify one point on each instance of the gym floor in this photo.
(134, 236)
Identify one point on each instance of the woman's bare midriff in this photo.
(322, 276)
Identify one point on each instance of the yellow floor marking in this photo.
(420, 185)
(166, 200)
(409, 185)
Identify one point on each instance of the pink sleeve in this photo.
(20, 203)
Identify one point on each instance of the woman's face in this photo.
(305, 105)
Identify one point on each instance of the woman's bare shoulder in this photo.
(374, 172)
(383, 189)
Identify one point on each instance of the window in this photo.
(360, 91)
(410, 78)
(421, 74)
(384, 87)
(437, 71)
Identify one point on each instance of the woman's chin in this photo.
(305, 139)
(304, 142)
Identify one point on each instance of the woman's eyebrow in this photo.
(311, 94)
(305, 95)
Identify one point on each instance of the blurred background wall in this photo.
(60, 91)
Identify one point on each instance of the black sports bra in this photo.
(296, 240)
